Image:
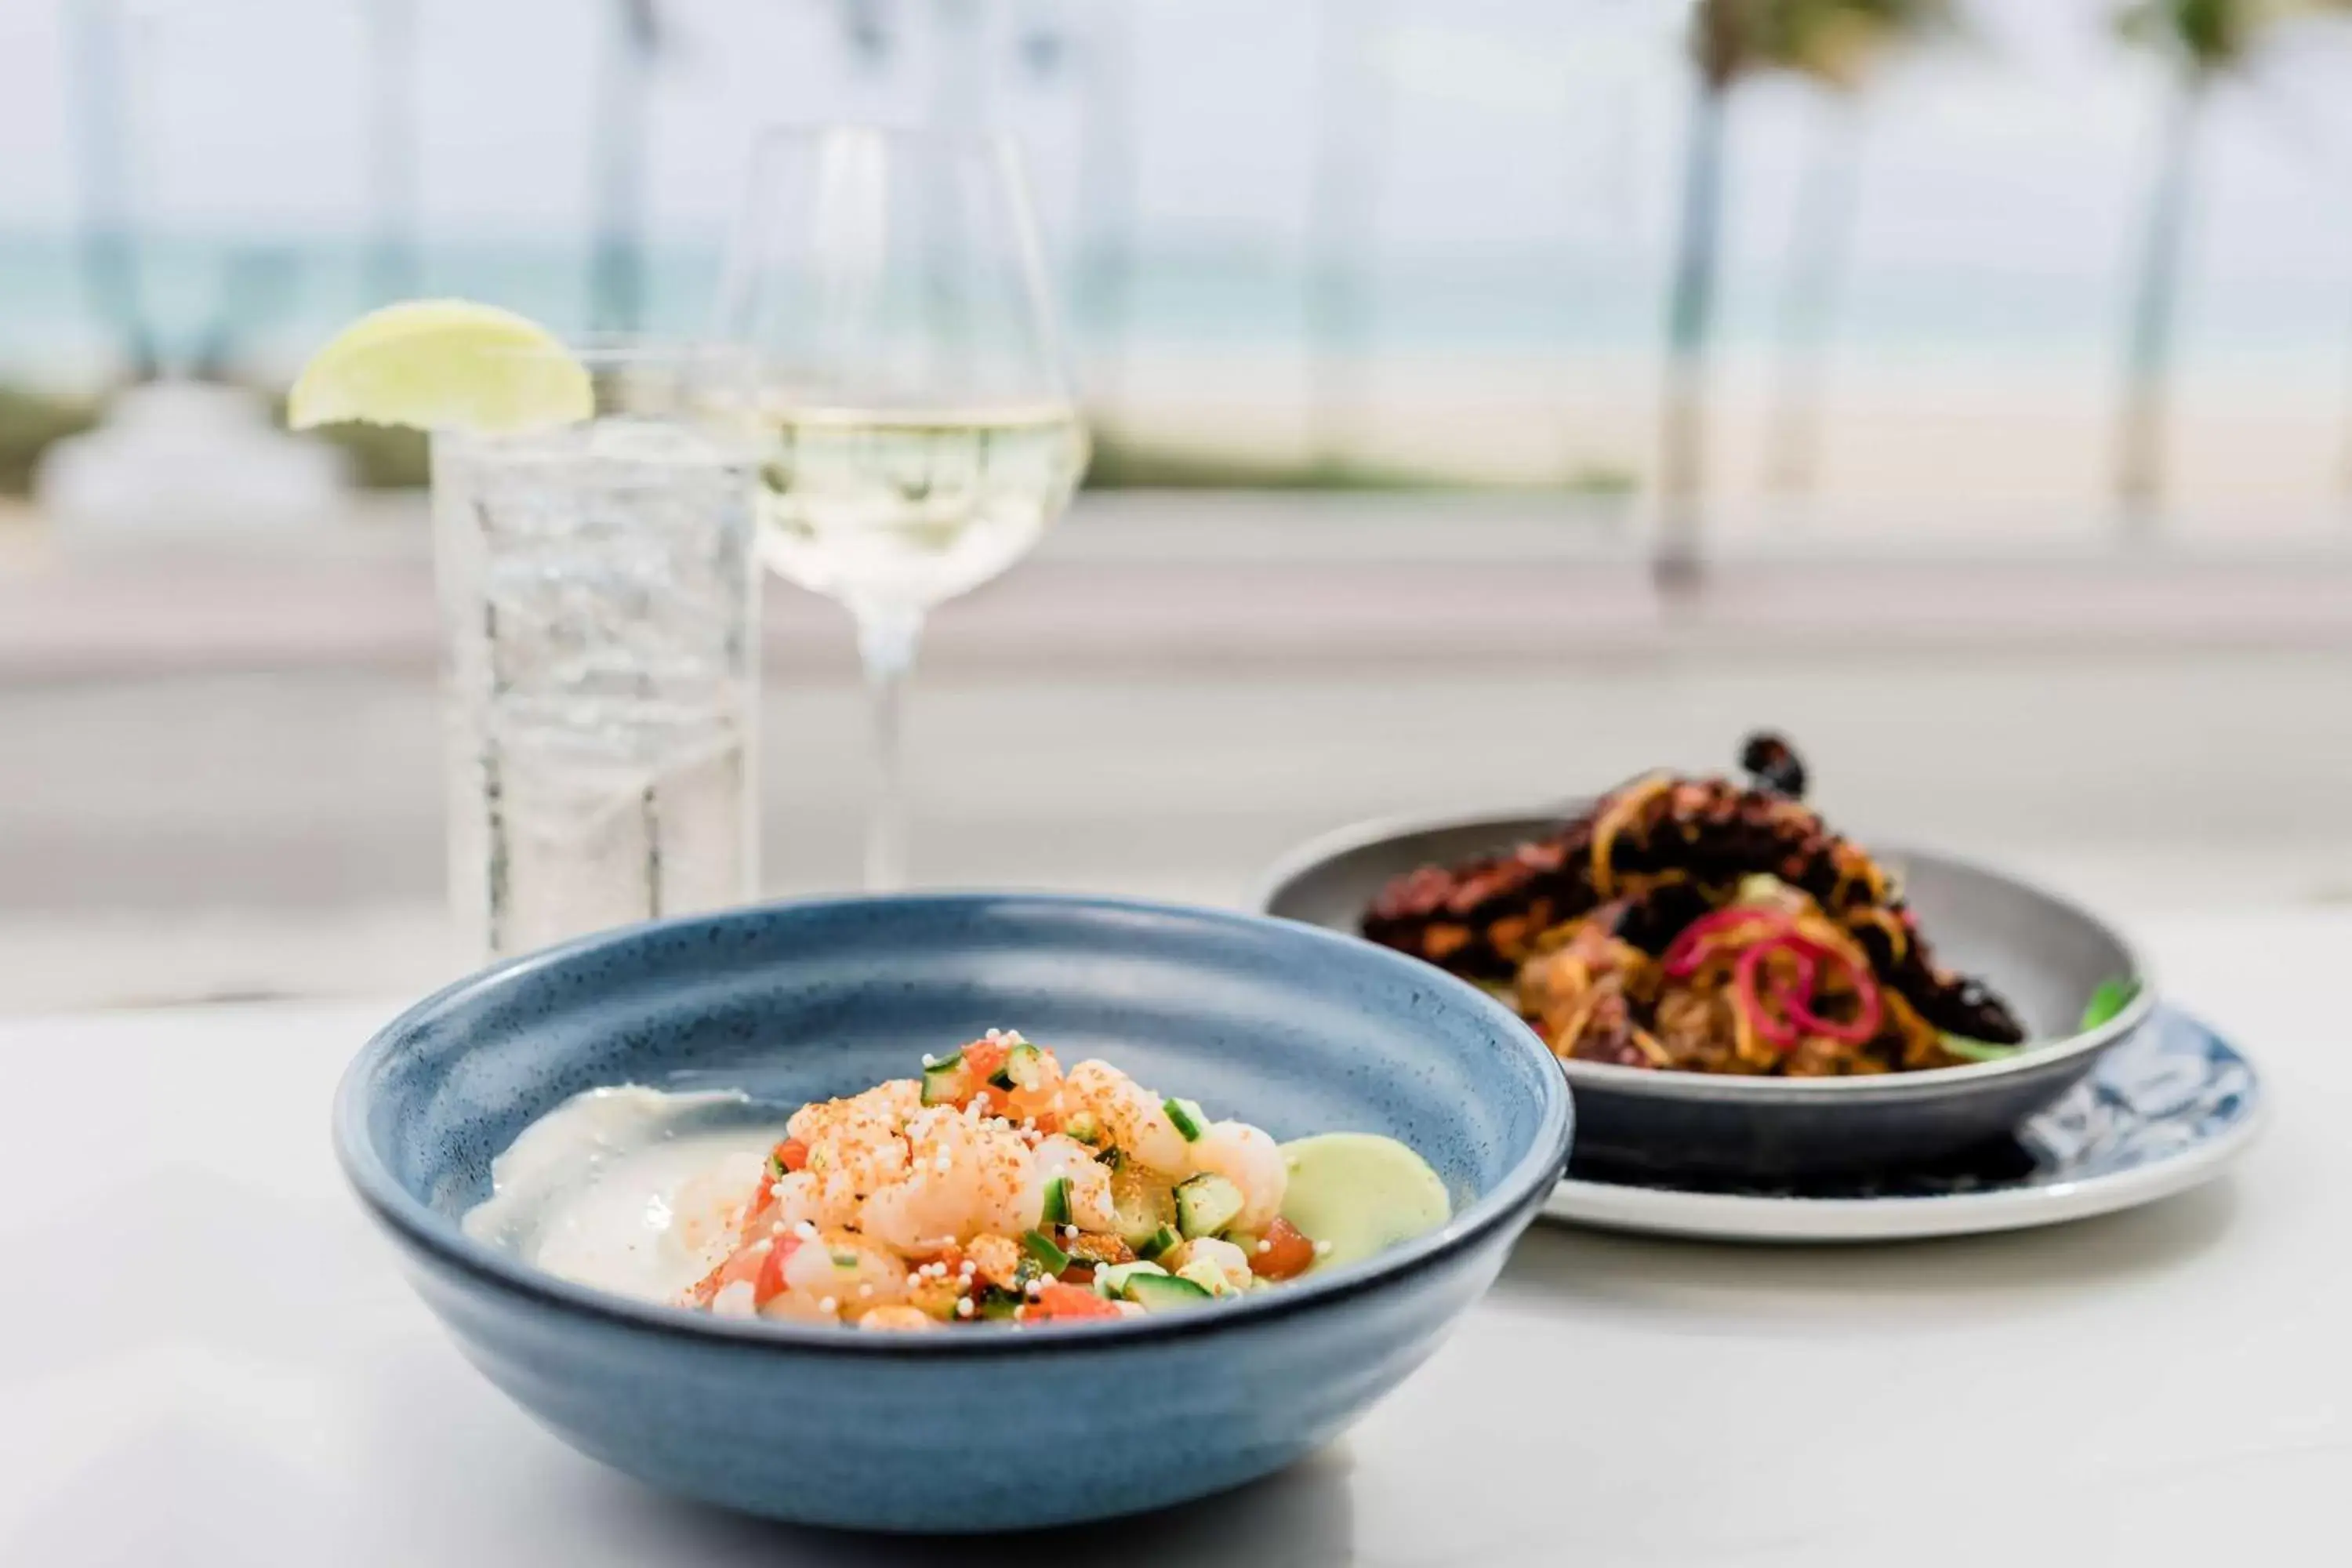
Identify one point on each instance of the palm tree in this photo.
(867, 28)
(106, 245)
(1830, 41)
(616, 268)
(2206, 42)
(1043, 46)
(391, 148)
(1820, 231)
(1822, 228)
(960, 77)
(1352, 113)
(1108, 199)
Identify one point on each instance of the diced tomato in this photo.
(1284, 1252)
(746, 1263)
(793, 1154)
(770, 1282)
(985, 1058)
(1074, 1302)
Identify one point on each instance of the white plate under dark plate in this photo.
(2165, 1111)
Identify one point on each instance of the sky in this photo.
(1510, 120)
(1495, 128)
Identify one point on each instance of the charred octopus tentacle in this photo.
(1483, 918)
(1773, 764)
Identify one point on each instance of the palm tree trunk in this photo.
(867, 33)
(392, 149)
(1108, 195)
(1340, 219)
(106, 245)
(1690, 311)
(617, 268)
(2344, 461)
(1824, 236)
(2140, 453)
(961, 78)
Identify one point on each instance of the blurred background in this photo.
(1491, 398)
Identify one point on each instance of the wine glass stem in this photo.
(886, 640)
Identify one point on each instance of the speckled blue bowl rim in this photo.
(1521, 1191)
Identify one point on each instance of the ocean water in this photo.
(272, 300)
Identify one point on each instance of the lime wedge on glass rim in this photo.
(443, 364)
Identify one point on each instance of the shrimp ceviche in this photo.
(998, 1187)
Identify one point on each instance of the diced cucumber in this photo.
(1111, 1278)
(1166, 1238)
(1024, 1067)
(1188, 1118)
(1049, 1257)
(1085, 1127)
(1163, 1293)
(997, 1305)
(1970, 1050)
(945, 1081)
(1206, 1205)
(844, 1260)
(1057, 1200)
(1140, 1204)
(1207, 1276)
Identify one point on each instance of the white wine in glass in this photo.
(891, 288)
(890, 508)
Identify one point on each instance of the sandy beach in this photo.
(1989, 448)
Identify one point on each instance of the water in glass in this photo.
(599, 590)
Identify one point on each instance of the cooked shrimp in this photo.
(1248, 1157)
(882, 1212)
(1089, 1179)
(896, 1099)
(828, 1202)
(997, 1259)
(917, 1216)
(861, 1138)
(967, 1176)
(900, 1318)
(1133, 1116)
(837, 1275)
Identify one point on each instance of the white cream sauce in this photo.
(630, 1190)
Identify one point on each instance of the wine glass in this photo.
(892, 290)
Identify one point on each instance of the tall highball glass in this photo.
(600, 598)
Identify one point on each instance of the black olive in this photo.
(1773, 764)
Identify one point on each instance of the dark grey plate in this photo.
(2044, 954)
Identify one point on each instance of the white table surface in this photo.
(207, 1357)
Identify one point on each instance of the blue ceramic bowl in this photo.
(985, 1427)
